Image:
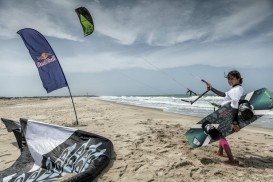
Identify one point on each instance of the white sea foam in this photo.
(200, 108)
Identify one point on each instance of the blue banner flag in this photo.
(46, 61)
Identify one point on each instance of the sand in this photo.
(149, 144)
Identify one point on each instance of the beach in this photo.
(149, 144)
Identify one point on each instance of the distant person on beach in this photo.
(233, 97)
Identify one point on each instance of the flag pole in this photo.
(77, 122)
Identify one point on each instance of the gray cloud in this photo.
(51, 18)
(158, 23)
(243, 19)
(168, 34)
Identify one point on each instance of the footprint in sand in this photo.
(181, 164)
(206, 161)
(218, 173)
(4, 155)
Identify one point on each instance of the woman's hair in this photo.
(236, 74)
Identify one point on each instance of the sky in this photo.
(139, 47)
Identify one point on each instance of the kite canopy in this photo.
(85, 20)
(49, 152)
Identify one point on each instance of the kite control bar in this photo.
(191, 92)
(199, 95)
(205, 82)
(191, 102)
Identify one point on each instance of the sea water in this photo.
(173, 103)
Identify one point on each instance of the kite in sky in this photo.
(86, 20)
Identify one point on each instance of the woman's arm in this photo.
(219, 93)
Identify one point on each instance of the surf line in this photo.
(182, 85)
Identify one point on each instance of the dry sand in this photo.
(149, 144)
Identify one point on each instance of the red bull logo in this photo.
(45, 58)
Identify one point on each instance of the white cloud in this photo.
(240, 54)
(163, 23)
(102, 61)
(36, 15)
(242, 19)
(173, 38)
(14, 66)
(157, 22)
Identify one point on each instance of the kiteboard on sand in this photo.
(253, 105)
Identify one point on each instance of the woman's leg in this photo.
(220, 151)
(225, 146)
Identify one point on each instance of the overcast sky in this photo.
(135, 39)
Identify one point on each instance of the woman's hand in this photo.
(208, 86)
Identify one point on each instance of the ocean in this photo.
(173, 103)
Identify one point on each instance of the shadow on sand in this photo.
(258, 162)
(113, 158)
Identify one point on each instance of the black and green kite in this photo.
(86, 20)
